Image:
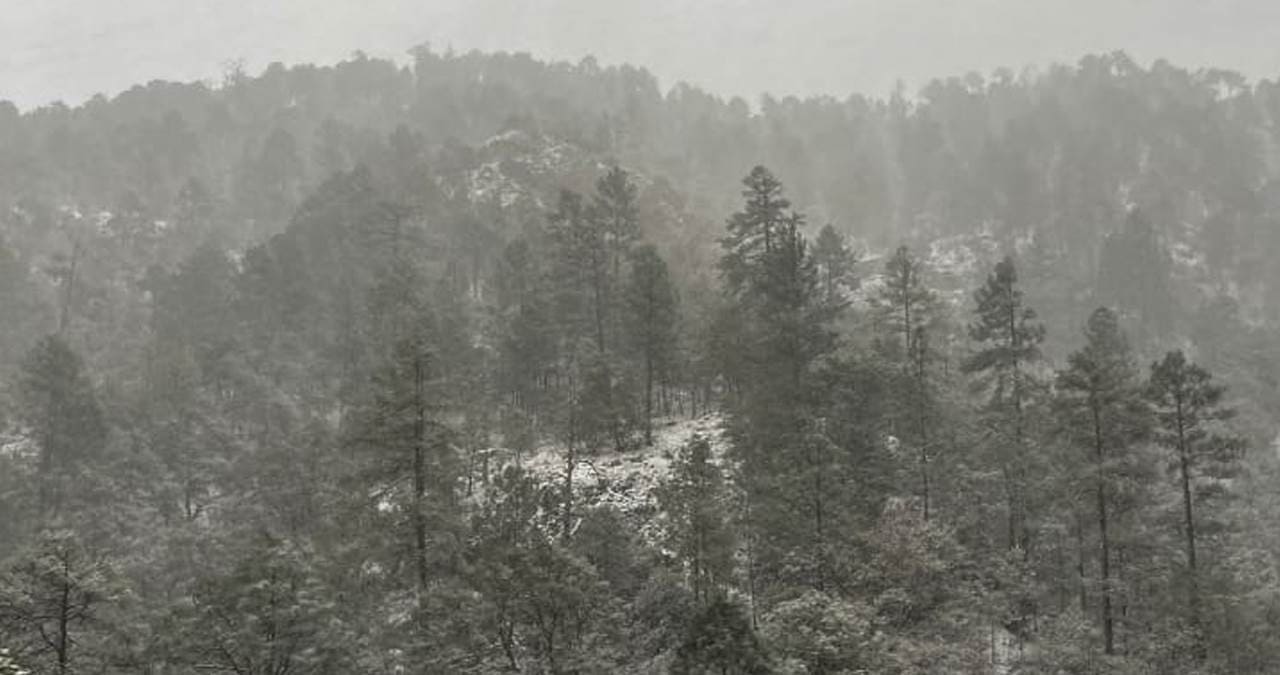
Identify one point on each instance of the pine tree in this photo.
(59, 406)
(789, 322)
(652, 320)
(68, 271)
(593, 412)
(181, 432)
(750, 241)
(398, 425)
(590, 242)
(1103, 410)
(904, 303)
(818, 632)
(720, 639)
(18, 304)
(268, 611)
(582, 270)
(783, 329)
(193, 308)
(194, 207)
(543, 602)
(835, 264)
(694, 498)
(922, 402)
(50, 598)
(526, 325)
(505, 526)
(615, 212)
(1134, 272)
(753, 231)
(1008, 338)
(907, 308)
(270, 180)
(1189, 411)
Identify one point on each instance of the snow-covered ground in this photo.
(17, 443)
(628, 480)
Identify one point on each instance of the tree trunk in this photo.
(64, 616)
(1189, 523)
(924, 478)
(571, 463)
(419, 472)
(1108, 621)
(1060, 550)
(922, 421)
(751, 566)
(601, 298)
(1011, 503)
(1084, 595)
(1018, 487)
(648, 397)
(64, 317)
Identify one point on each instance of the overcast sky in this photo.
(71, 49)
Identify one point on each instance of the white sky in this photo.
(70, 49)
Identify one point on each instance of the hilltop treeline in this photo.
(993, 372)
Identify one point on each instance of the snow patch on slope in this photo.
(628, 481)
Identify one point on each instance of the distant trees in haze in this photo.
(483, 364)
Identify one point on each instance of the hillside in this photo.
(485, 364)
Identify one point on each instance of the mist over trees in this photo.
(482, 364)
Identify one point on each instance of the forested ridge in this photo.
(481, 364)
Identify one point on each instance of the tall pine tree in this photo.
(772, 284)
(907, 309)
(1190, 411)
(1008, 338)
(58, 405)
(1104, 412)
(696, 500)
(652, 320)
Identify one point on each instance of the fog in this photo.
(320, 358)
(68, 49)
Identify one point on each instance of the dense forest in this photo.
(482, 364)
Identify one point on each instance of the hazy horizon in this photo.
(505, 366)
(69, 50)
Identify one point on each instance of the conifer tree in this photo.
(591, 415)
(18, 307)
(267, 611)
(835, 264)
(720, 639)
(544, 602)
(591, 241)
(582, 269)
(615, 212)
(59, 405)
(1104, 412)
(1008, 338)
(907, 308)
(410, 461)
(905, 303)
(695, 500)
(784, 329)
(193, 308)
(652, 320)
(1189, 412)
(754, 230)
(1134, 273)
(50, 598)
(526, 323)
(922, 401)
